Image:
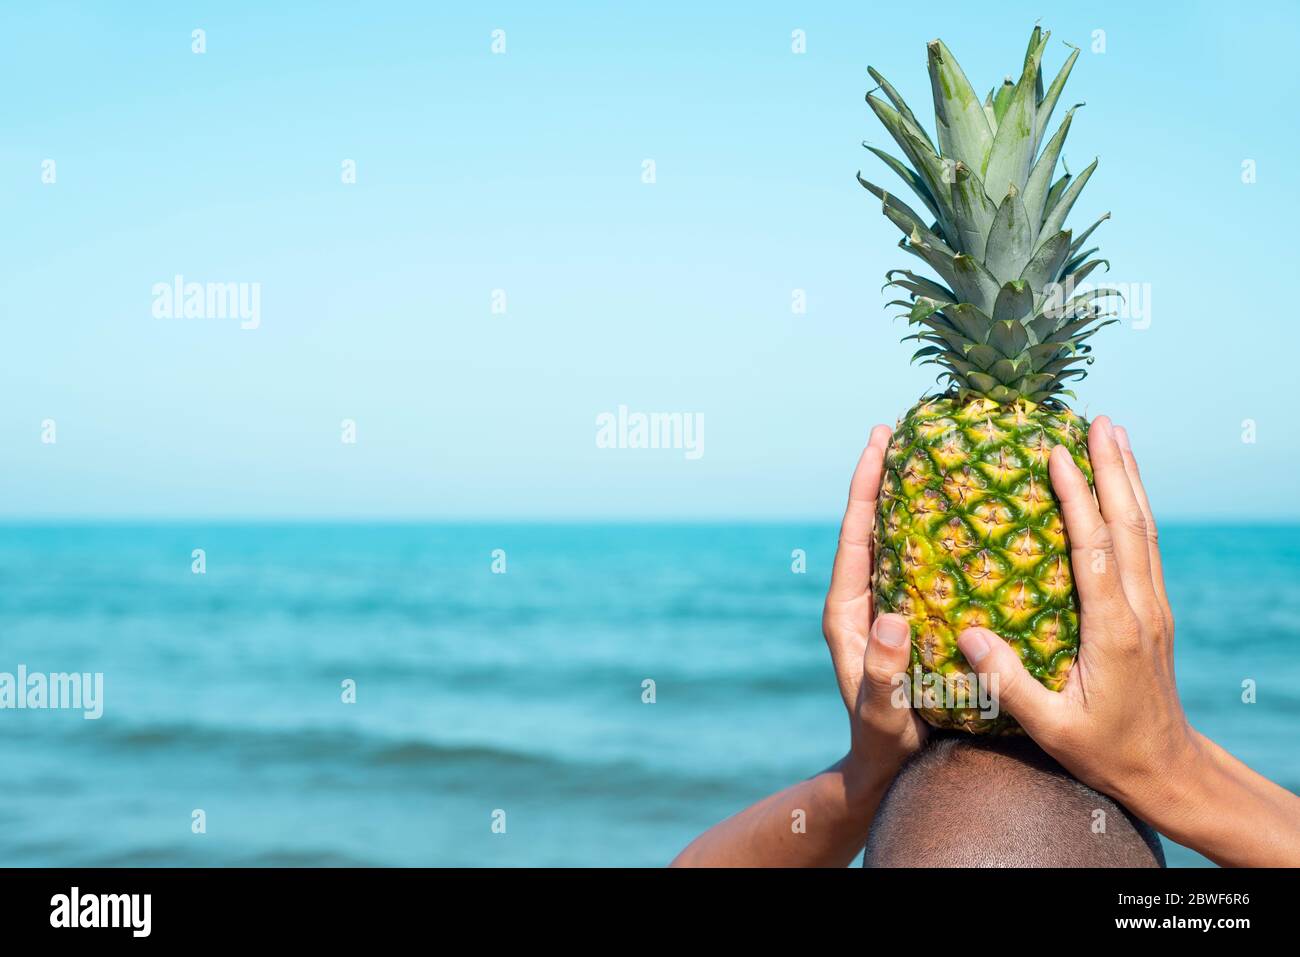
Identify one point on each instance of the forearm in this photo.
(820, 822)
(1221, 808)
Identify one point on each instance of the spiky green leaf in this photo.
(1083, 236)
(1056, 216)
(900, 104)
(1002, 98)
(1047, 103)
(1011, 240)
(1013, 146)
(908, 176)
(963, 128)
(972, 211)
(973, 283)
(1046, 262)
(1040, 178)
(1009, 338)
(971, 321)
(1015, 302)
(920, 285)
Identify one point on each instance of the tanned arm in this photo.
(823, 821)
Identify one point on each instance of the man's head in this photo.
(1001, 802)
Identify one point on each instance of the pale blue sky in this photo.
(523, 172)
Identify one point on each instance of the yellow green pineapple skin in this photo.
(969, 533)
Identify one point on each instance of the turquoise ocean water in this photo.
(479, 692)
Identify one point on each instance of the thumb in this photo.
(1014, 688)
(889, 652)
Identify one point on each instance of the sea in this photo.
(490, 695)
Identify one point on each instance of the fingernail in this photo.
(1107, 429)
(892, 631)
(1067, 458)
(974, 645)
(1121, 438)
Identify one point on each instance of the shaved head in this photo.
(964, 801)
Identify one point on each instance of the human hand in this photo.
(868, 654)
(1118, 724)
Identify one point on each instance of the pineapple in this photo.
(968, 530)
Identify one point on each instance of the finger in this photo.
(888, 655)
(1124, 518)
(851, 576)
(1153, 543)
(1092, 553)
(1038, 710)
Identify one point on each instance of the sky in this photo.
(486, 177)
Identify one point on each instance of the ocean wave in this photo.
(332, 757)
(307, 743)
(595, 680)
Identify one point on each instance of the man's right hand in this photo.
(1118, 724)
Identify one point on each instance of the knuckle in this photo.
(998, 659)
(1151, 627)
(879, 675)
(1098, 550)
(1009, 686)
(1134, 522)
(856, 529)
(1110, 464)
(1127, 634)
(1102, 541)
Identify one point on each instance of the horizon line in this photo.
(51, 520)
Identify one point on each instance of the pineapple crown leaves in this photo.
(1003, 320)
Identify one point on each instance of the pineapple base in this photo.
(969, 533)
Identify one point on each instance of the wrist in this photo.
(865, 781)
(1172, 791)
